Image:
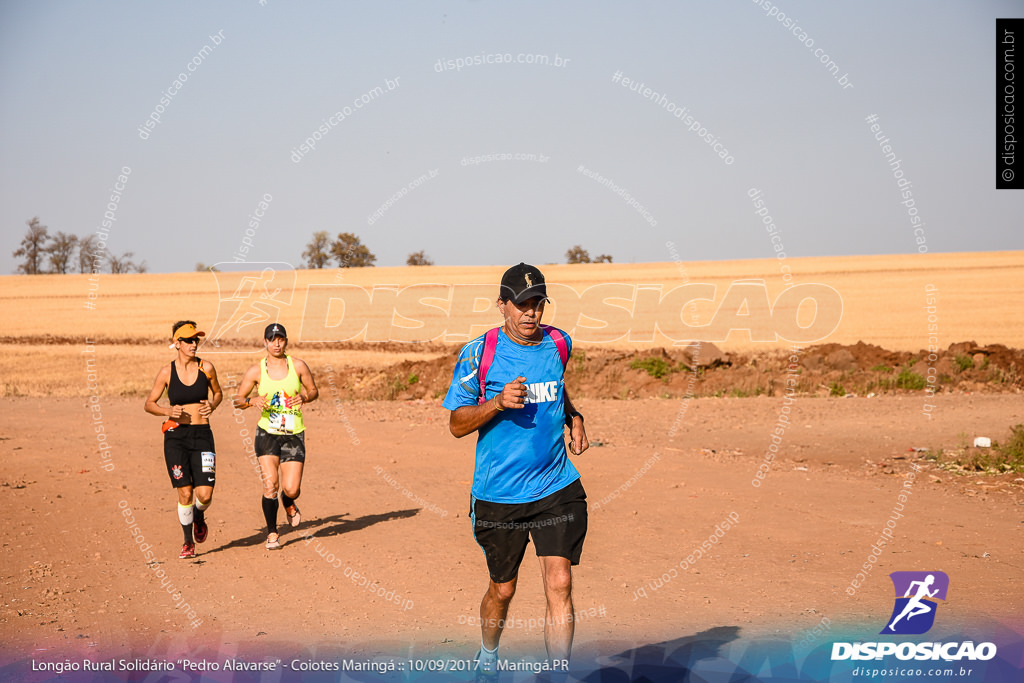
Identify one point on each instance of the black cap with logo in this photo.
(522, 282)
(275, 330)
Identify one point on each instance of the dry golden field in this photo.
(882, 297)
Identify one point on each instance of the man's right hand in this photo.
(514, 394)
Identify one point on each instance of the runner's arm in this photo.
(570, 410)
(210, 405)
(249, 380)
(308, 392)
(467, 419)
(578, 441)
(159, 385)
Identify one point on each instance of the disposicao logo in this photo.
(916, 601)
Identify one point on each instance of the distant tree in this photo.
(88, 257)
(200, 267)
(350, 252)
(603, 258)
(124, 264)
(317, 254)
(418, 258)
(61, 248)
(33, 248)
(577, 255)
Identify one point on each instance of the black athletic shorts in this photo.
(190, 455)
(288, 447)
(557, 523)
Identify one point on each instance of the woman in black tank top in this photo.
(193, 393)
(180, 394)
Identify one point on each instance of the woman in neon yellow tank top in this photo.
(284, 384)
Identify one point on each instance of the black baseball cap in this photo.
(522, 282)
(275, 330)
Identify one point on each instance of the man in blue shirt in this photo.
(523, 484)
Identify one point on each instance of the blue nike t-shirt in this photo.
(520, 453)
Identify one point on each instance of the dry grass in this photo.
(39, 370)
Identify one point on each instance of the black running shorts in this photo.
(557, 523)
(190, 455)
(288, 447)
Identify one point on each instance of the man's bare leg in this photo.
(493, 610)
(560, 617)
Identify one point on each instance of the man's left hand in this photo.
(578, 441)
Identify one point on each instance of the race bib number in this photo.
(281, 423)
(209, 461)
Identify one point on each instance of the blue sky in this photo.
(78, 79)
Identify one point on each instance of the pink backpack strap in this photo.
(490, 344)
(561, 344)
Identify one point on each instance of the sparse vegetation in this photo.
(963, 363)
(652, 365)
(317, 253)
(418, 258)
(395, 387)
(907, 379)
(42, 252)
(578, 254)
(999, 459)
(1013, 450)
(579, 359)
(350, 252)
(33, 248)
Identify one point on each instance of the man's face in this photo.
(523, 320)
(276, 346)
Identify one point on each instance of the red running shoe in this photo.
(188, 551)
(200, 531)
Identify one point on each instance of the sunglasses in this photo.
(190, 340)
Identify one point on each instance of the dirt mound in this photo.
(703, 370)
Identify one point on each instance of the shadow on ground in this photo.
(320, 528)
(670, 661)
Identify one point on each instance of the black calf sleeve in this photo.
(270, 514)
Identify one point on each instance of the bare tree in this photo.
(577, 255)
(124, 264)
(350, 252)
(418, 258)
(61, 248)
(317, 253)
(88, 256)
(33, 248)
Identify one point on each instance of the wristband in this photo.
(248, 402)
(497, 404)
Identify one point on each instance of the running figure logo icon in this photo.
(250, 295)
(916, 601)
